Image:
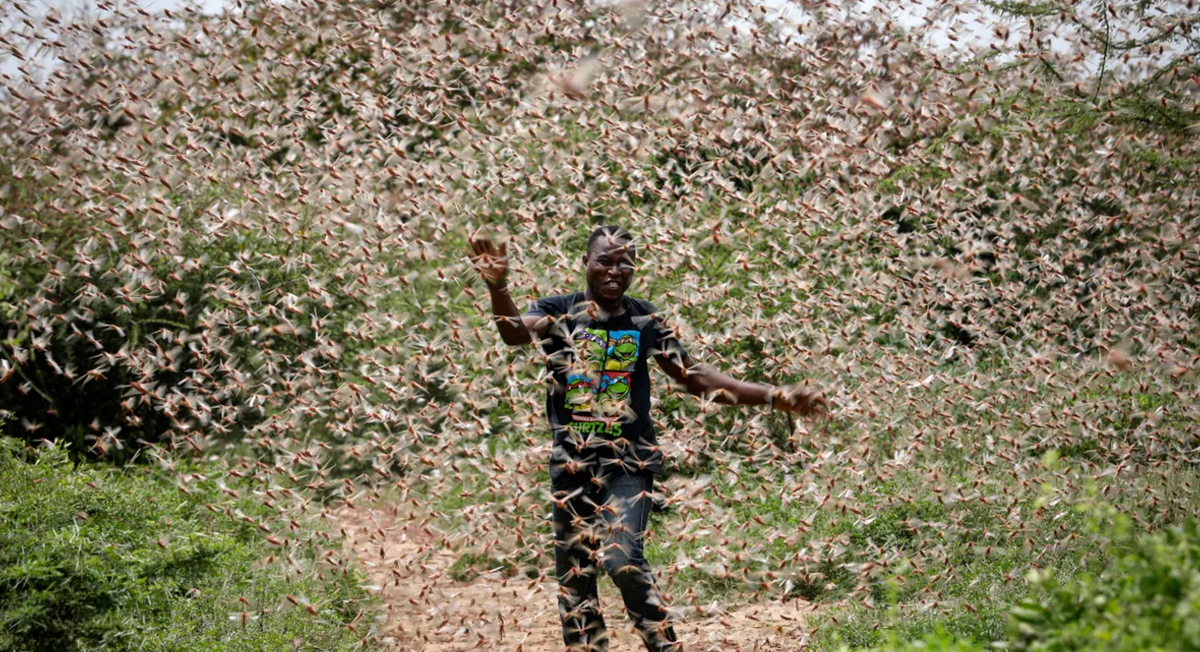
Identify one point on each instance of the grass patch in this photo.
(93, 557)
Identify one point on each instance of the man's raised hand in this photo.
(490, 260)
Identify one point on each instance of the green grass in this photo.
(98, 558)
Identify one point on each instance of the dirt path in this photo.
(431, 612)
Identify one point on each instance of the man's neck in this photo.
(606, 309)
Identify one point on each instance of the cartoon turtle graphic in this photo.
(579, 393)
(614, 392)
(623, 354)
(592, 347)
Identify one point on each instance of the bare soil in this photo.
(431, 612)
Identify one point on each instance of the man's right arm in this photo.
(491, 261)
(515, 329)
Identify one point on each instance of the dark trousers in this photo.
(601, 523)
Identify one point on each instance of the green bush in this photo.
(1147, 599)
(114, 344)
(94, 558)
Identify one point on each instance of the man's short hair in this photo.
(614, 234)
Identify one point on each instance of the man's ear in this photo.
(584, 259)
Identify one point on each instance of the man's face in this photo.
(608, 268)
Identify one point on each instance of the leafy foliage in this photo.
(1146, 600)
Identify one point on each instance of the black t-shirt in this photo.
(598, 401)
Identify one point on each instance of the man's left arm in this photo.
(709, 383)
(702, 381)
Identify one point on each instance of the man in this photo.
(605, 454)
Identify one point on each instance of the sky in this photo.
(906, 13)
(974, 26)
(69, 7)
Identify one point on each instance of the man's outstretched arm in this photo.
(710, 383)
(492, 264)
(515, 329)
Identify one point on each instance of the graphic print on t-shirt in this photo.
(592, 344)
(613, 393)
(598, 390)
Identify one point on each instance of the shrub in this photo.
(166, 321)
(1147, 599)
